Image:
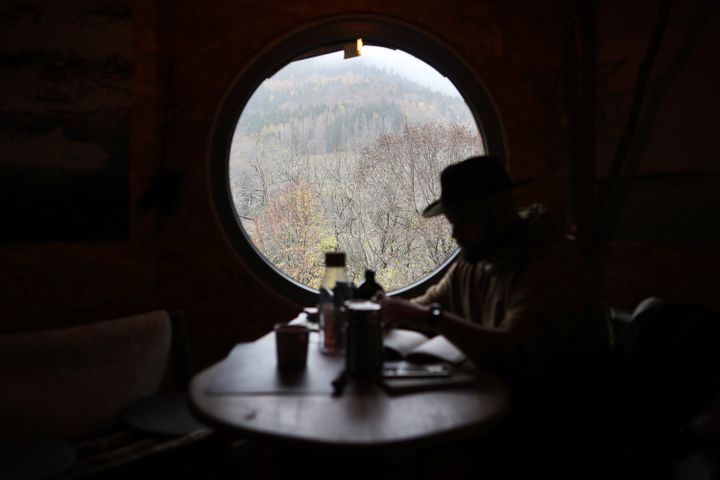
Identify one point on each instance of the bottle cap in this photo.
(335, 259)
(369, 274)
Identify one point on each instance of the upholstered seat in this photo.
(668, 359)
(75, 381)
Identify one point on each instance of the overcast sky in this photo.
(400, 62)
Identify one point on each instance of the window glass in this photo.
(343, 154)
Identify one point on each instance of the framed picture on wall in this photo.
(65, 101)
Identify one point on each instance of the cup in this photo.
(291, 346)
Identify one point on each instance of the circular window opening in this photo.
(342, 152)
(325, 144)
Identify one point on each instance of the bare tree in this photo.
(292, 233)
(364, 197)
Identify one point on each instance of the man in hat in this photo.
(518, 301)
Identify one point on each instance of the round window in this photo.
(339, 146)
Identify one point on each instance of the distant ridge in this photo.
(347, 98)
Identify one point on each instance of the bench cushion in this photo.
(75, 381)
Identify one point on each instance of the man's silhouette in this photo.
(519, 301)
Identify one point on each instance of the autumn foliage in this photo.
(366, 202)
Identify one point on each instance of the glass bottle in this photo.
(334, 271)
(369, 288)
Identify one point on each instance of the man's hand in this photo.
(400, 312)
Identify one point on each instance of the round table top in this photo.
(364, 416)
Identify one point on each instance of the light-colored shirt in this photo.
(539, 290)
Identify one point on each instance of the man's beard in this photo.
(480, 251)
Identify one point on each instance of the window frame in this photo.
(376, 31)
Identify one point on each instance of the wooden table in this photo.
(364, 416)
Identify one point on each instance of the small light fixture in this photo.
(353, 49)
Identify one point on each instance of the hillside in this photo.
(324, 105)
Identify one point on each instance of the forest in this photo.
(345, 157)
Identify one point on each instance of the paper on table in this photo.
(414, 346)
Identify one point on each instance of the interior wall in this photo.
(186, 54)
(667, 233)
(52, 283)
(514, 48)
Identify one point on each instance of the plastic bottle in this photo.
(329, 329)
(369, 288)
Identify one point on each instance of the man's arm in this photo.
(548, 322)
(490, 348)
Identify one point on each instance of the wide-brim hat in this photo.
(465, 183)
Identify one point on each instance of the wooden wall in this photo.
(185, 56)
(667, 233)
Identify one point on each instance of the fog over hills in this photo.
(326, 102)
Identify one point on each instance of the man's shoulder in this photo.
(536, 236)
(544, 239)
(559, 264)
(545, 254)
